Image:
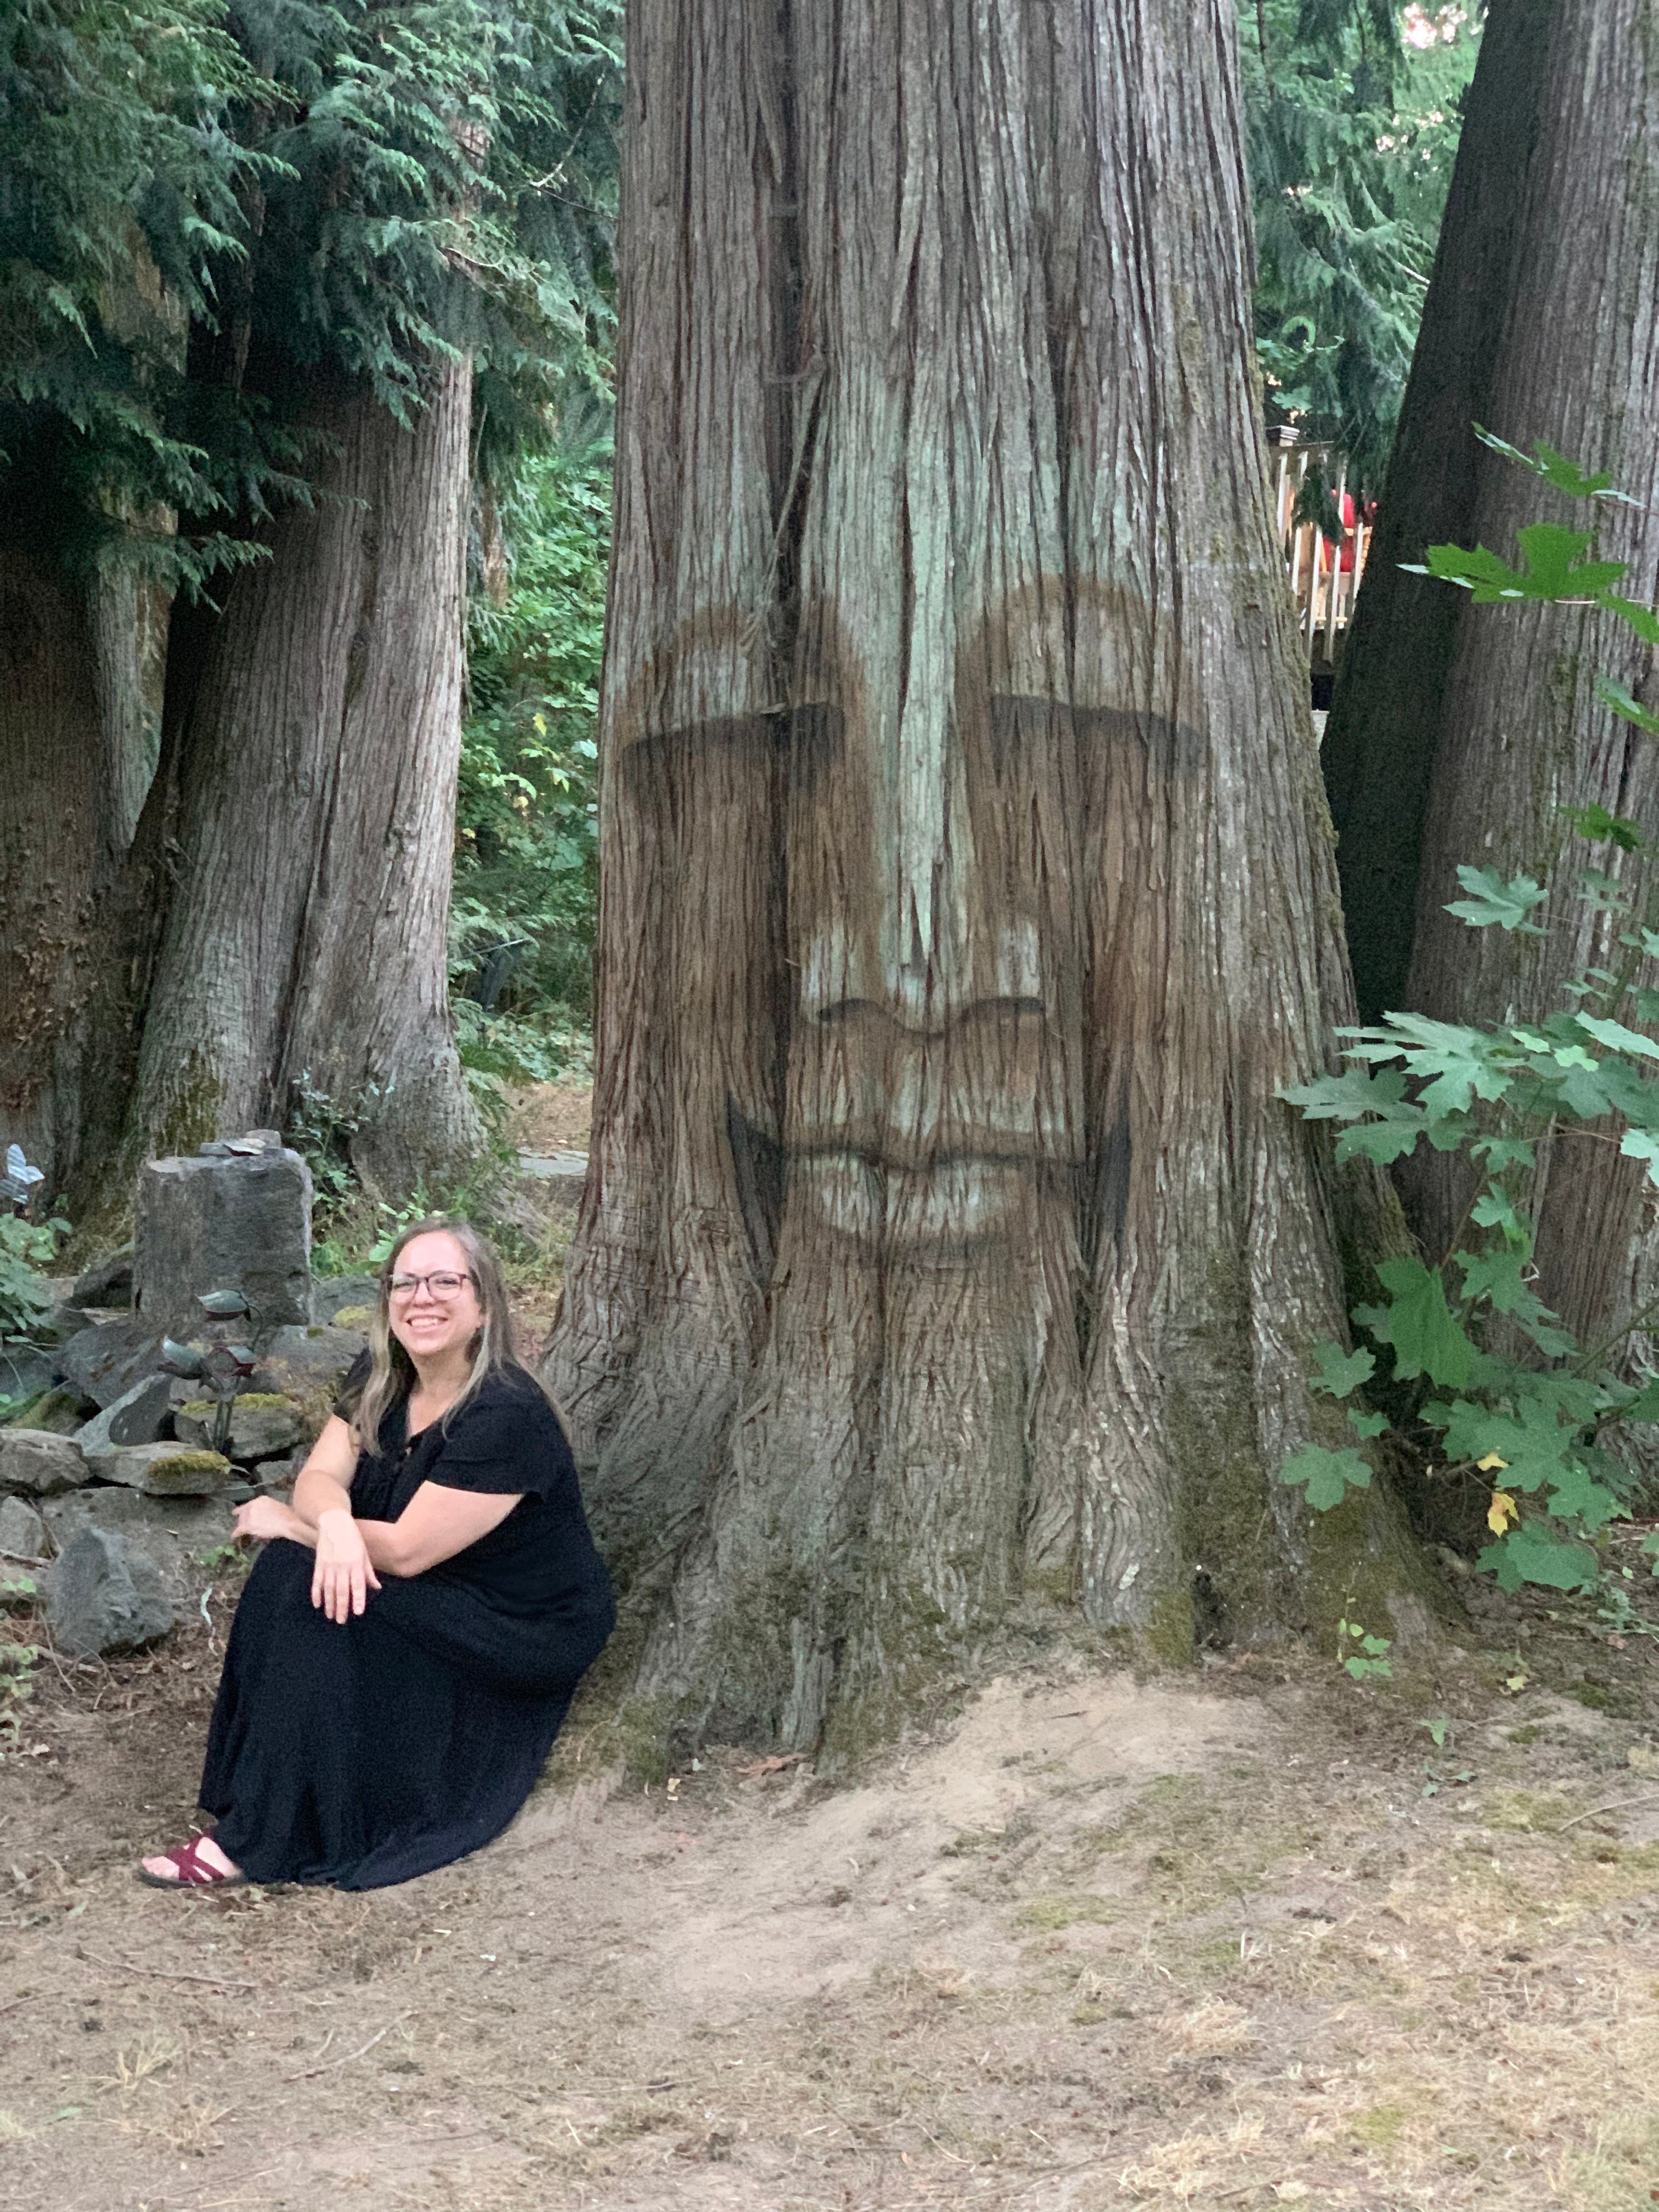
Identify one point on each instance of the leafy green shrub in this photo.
(26, 1298)
(1477, 1373)
(17, 1665)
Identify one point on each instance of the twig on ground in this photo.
(310, 2072)
(163, 1973)
(1618, 1805)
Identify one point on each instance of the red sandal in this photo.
(194, 1872)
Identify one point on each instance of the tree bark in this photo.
(129, 619)
(298, 838)
(1507, 729)
(966, 887)
(1387, 714)
(53, 809)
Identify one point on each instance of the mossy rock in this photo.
(263, 1425)
(58, 1412)
(169, 1470)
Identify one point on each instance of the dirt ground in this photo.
(1239, 1937)
(552, 1117)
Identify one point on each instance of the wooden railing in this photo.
(1324, 571)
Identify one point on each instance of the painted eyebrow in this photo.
(807, 738)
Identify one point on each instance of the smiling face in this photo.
(428, 1327)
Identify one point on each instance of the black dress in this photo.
(366, 1753)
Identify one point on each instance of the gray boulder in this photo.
(107, 1282)
(307, 1364)
(64, 1321)
(177, 1535)
(139, 1416)
(165, 1470)
(236, 1218)
(334, 1294)
(38, 1463)
(104, 1362)
(23, 1532)
(104, 1594)
(25, 1372)
(263, 1425)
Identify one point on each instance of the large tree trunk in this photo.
(307, 792)
(1506, 727)
(78, 674)
(53, 810)
(966, 887)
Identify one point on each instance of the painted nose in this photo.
(926, 956)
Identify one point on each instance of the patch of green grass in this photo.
(1065, 1909)
(1380, 2126)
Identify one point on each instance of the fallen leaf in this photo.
(1503, 1510)
(1491, 1461)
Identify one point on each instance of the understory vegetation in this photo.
(1459, 1365)
(527, 859)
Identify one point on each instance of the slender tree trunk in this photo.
(966, 888)
(1387, 715)
(1508, 726)
(308, 797)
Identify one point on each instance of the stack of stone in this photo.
(121, 1473)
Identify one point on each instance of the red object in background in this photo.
(1343, 559)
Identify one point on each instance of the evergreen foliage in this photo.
(1353, 113)
(119, 210)
(198, 201)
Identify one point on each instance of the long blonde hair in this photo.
(392, 1371)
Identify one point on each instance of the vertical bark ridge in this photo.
(661, 1304)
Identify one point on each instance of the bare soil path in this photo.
(1240, 1938)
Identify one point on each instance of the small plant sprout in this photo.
(1364, 1657)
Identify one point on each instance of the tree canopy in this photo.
(1352, 109)
(197, 200)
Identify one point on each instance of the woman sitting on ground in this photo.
(408, 1644)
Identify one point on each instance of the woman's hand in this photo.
(262, 1518)
(342, 1577)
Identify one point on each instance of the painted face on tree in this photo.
(939, 828)
(929, 1083)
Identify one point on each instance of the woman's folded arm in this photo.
(436, 1523)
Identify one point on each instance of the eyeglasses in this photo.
(443, 1287)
